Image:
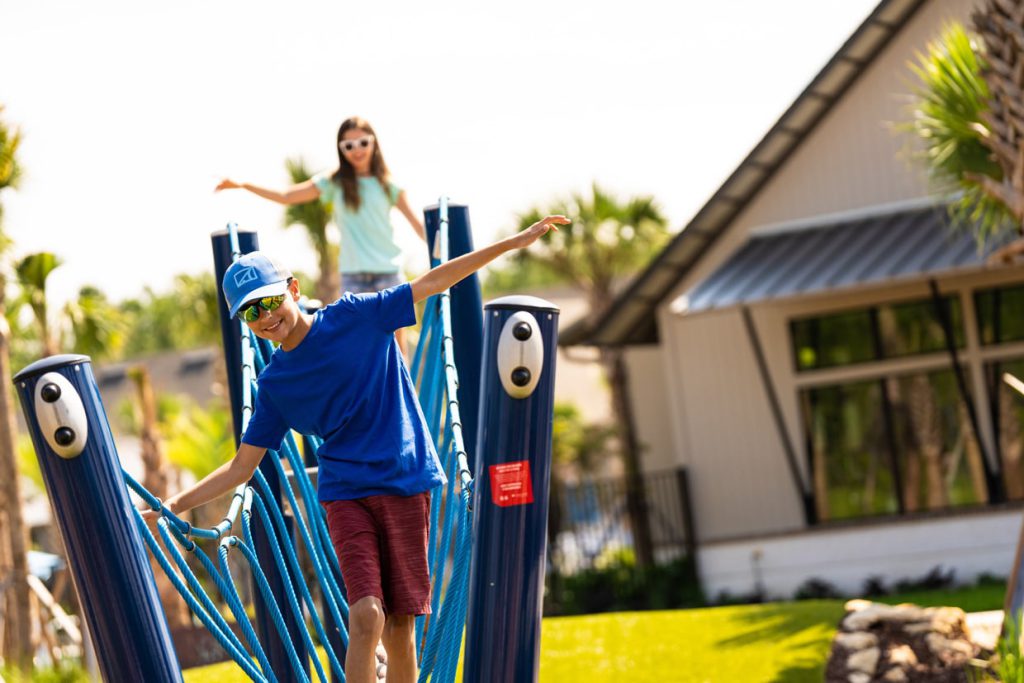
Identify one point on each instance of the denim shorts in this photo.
(367, 283)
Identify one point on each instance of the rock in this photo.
(858, 640)
(918, 628)
(857, 605)
(947, 620)
(864, 660)
(947, 649)
(896, 675)
(902, 655)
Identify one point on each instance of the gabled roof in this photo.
(631, 317)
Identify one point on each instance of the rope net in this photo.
(438, 637)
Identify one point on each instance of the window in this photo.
(849, 459)
(873, 334)
(1000, 314)
(892, 445)
(940, 463)
(1007, 418)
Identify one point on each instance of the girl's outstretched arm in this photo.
(296, 194)
(447, 274)
(410, 215)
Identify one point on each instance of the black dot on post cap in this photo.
(64, 436)
(521, 376)
(50, 392)
(522, 331)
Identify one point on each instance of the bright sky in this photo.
(131, 114)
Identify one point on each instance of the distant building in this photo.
(825, 356)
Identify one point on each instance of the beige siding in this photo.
(651, 413)
(739, 475)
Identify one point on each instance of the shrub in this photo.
(619, 585)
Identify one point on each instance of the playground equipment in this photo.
(278, 512)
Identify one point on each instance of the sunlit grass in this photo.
(773, 642)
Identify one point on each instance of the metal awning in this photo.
(882, 248)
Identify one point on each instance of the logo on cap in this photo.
(245, 275)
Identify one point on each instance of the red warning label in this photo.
(511, 483)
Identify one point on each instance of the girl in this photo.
(361, 193)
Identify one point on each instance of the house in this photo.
(825, 355)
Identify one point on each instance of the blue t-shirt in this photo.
(346, 383)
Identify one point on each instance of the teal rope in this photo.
(286, 578)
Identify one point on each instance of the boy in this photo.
(339, 374)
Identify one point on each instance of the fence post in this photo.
(94, 514)
(231, 334)
(510, 507)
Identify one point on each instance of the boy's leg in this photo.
(365, 625)
(400, 642)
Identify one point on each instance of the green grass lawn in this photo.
(773, 642)
(783, 642)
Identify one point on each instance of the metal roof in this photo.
(906, 243)
(630, 318)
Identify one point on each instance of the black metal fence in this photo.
(590, 527)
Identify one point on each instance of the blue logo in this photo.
(245, 275)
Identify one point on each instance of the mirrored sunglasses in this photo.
(250, 312)
(349, 145)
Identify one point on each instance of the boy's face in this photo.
(276, 325)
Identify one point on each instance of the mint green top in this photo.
(367, 236)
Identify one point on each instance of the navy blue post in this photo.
(511, 499)
(105, 551)
(231, 335)
(467, 320)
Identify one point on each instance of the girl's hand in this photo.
(535, 231)
(227, 184)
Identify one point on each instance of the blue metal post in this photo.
(231, 335)
(105, 551)
(511, 500)
(467, 315)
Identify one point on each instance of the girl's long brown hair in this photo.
(345, 176)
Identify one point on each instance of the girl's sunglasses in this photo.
(250, 313)
(349, 145)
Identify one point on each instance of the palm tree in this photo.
(970, 118)
(17, 645)
(156, 474)
(315, 216)
(607, 241)
(970, 123)
(32, 272)
(97, 325)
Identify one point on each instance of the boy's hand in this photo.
(226, 184)
(151, 515)
(534, 232)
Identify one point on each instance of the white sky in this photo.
(131, 114)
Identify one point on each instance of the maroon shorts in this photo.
(381, 543)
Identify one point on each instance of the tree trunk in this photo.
(17, 645)
(328, 285)
(1010, 444)
(636, 498)
(155, 479)
(924, 419)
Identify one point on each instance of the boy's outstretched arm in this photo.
(447, 274)
(225, 478)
